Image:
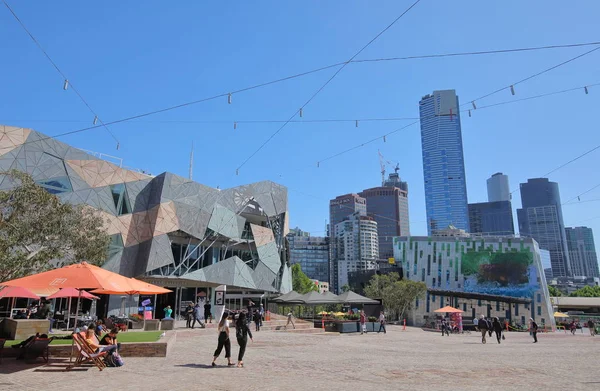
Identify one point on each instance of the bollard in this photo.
(268, 317)
(506, 323)
(404, 326)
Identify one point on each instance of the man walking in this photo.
(483, 327)
(445, 327)
(381, 322)
(189, 315)
(197, 316)
(290, 319)
(207, 313)
(591, 326)
(534, 330)
(363, 322)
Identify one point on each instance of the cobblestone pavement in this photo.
(411, 359)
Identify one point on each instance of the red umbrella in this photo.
(16, 291)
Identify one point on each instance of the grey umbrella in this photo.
(354, 298)
(315, 298)
(292, 297)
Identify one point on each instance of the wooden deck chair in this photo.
(37, 347)
(86, 353)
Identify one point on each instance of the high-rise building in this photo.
(388, 205)
(546, 263)
(311, 252)
(541, 218)
(497, 188)
(339, 209)
(491, 218)
(443, 161)
(357, 246)
(582, 251)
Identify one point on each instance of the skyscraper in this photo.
(339, 209)
(388, 205)
(443, 161)
(497, 188)
(311, 252)
(357, 246)
(541, 218)
(582, 251)
(491, 218)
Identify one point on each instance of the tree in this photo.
(554, 291)
(587, 291)
(345, 288)
(39, 232)
(397, 295)
(300, 281)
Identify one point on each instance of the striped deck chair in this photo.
(86, 353)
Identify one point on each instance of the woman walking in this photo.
(242, 332)
(497, 326)
(223, 341)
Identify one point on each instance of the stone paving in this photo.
(411, 359)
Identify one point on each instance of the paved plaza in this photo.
(411, 359)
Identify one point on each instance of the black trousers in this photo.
(196, 320)
(257, 325)
(242, 342)
(224, 342)
(382, 326)
(534, 333)
(189, 318)
(498, 335)
(445, 330)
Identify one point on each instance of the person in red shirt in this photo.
(363, 322)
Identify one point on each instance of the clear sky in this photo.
(127, 59)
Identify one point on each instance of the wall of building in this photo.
(312, 253)
(491, 218)
(493, 266)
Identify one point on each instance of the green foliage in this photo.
(554, 291)
(300, 281)
(345, 288)
(38, 232)
(397, 295)
(586, 291)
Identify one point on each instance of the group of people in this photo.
(104, 343)
(193, 314)
(573, 326)
(242, 333)
(489, 326)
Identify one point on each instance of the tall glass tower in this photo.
(443, 162)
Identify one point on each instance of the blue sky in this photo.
(128, 59)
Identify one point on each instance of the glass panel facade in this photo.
(56, 185)
(119, 193)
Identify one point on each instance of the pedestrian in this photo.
(257, 320)
(168, 311)
(445, 327)
(483, 327)
(497, 326)
(189, 315)
(224, 341)
(381, 322)
(250, 311)
(363, 322)
(573, 327)
(534, 329)
(290, 319)
(207, 313)
(242, 332)
(262, 313)
(197, 316)
(591, 326)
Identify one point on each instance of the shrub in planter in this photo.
(372, 319)
(136, 317)
(354, 317)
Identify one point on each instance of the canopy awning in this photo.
(448, 309)
(354, 298)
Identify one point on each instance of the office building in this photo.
(322, 286)
(388, 205)
(541, 218)
(339, 209)
(443, 161)
(582, 251)
(357, 246)
(491, 218)
(497, 188)
(493, 276)
(311, 252)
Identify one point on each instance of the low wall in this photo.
(128, 349)
(24, 328)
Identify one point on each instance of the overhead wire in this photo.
(175, 107)
(67, 83)
(324, 85)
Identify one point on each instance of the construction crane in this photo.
(382, 163)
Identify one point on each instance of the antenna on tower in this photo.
(397, 168)
(192, 162)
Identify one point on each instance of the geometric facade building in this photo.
(582, 251)
(493, 276)
(443, 162)
(165, 228)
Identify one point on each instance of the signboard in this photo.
(391, 261)
(146, 302)
(219, 298)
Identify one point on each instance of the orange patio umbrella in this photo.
(134, 287)
(448, 309)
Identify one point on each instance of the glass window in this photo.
(115, 245)
(56, 185)
(119, 193)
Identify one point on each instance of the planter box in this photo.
(152, 325)
(167, 324)
(24, 328)
(135, 325)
